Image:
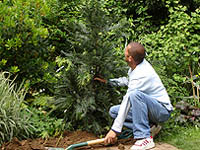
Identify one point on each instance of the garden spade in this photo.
(71, 147)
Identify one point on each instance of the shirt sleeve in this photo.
(123, 81)
(123, 110)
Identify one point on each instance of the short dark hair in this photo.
(137, 51)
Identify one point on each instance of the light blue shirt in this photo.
(145, 79)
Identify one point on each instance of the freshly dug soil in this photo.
(70, 138)
(40, 144)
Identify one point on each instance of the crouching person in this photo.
(146, 101)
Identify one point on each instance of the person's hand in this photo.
(100, 79)
(110, 138)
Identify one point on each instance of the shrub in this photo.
(13, 122)
(174, 51)
(96, 44)
(24, 47)
(45, 126)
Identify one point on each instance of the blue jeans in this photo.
(143, 111)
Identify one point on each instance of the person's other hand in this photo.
(100, 79)
(110, 138)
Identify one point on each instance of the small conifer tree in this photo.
(96, 50)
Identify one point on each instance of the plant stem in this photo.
(192, 85)
(198, 98)
(58, 141)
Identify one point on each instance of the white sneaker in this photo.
(143, 144)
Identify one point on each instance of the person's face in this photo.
(127, 56)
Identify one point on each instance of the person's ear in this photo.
(130, 59)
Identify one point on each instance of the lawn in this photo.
(185, 138)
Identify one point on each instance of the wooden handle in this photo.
(98, 141)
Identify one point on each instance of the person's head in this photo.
(134, 54)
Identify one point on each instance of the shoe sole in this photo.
(152, 145)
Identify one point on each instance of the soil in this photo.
(70, 138)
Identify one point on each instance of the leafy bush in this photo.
(13, 122)
(174, 50)
(45, 126)
(24, 47)
(97, 41)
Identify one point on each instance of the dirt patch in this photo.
(70, 138)
(40, 144)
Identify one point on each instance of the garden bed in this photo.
(72, 138)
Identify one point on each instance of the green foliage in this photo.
(13, 122)
(45, 125)
(24, 48)
(83, 39)
(174, 50)
(155, 8)
(97, 43)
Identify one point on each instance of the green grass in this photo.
(185, 138)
